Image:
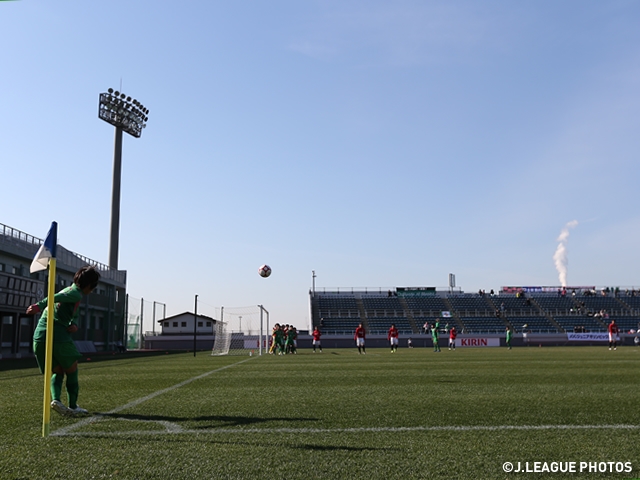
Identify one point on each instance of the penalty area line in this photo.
(173, 429)
(98, 417)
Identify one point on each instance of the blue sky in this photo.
(380, 144)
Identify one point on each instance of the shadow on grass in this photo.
(214, 421)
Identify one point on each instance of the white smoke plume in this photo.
(560, 257)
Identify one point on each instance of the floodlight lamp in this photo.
(110, 90)
(123, 112)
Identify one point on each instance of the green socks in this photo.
(73, 388)
(56, 385)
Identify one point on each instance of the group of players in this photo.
(393, 335)
(283, 340)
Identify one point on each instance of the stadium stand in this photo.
(545, 312)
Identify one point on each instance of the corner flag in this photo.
(46, 251)
(46, 256)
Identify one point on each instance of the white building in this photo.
(182, 324)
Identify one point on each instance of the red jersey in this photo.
(316, 335)
(393, 333)
(453, 334)
(613, 328)
(359, 333)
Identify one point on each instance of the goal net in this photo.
(241, 331)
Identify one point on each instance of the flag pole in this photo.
(48, 364)
(46, 256)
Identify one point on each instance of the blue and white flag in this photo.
(46, 251)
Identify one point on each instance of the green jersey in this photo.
(434, 330)
(66, 303)
(509, 335)
(279, 337)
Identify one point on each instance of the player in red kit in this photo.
(392, 336)
(359, 338)
(453, 333)
(613, 335)
(316, 339)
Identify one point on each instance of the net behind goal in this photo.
(241, 331)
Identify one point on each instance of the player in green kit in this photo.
(279, 340)
(434, 336)
(290, 345)
(65, 355)
(509, 336)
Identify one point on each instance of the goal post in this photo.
(241, 331)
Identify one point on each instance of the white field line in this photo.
(172, 428)
(97, 418)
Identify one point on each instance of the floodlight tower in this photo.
(130, 116)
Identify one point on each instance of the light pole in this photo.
(129, 116)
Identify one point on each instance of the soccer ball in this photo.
(264, 271)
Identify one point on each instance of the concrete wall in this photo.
(205, 342)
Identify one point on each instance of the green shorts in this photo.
(64, 354)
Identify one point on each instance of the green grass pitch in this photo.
(413, 414)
